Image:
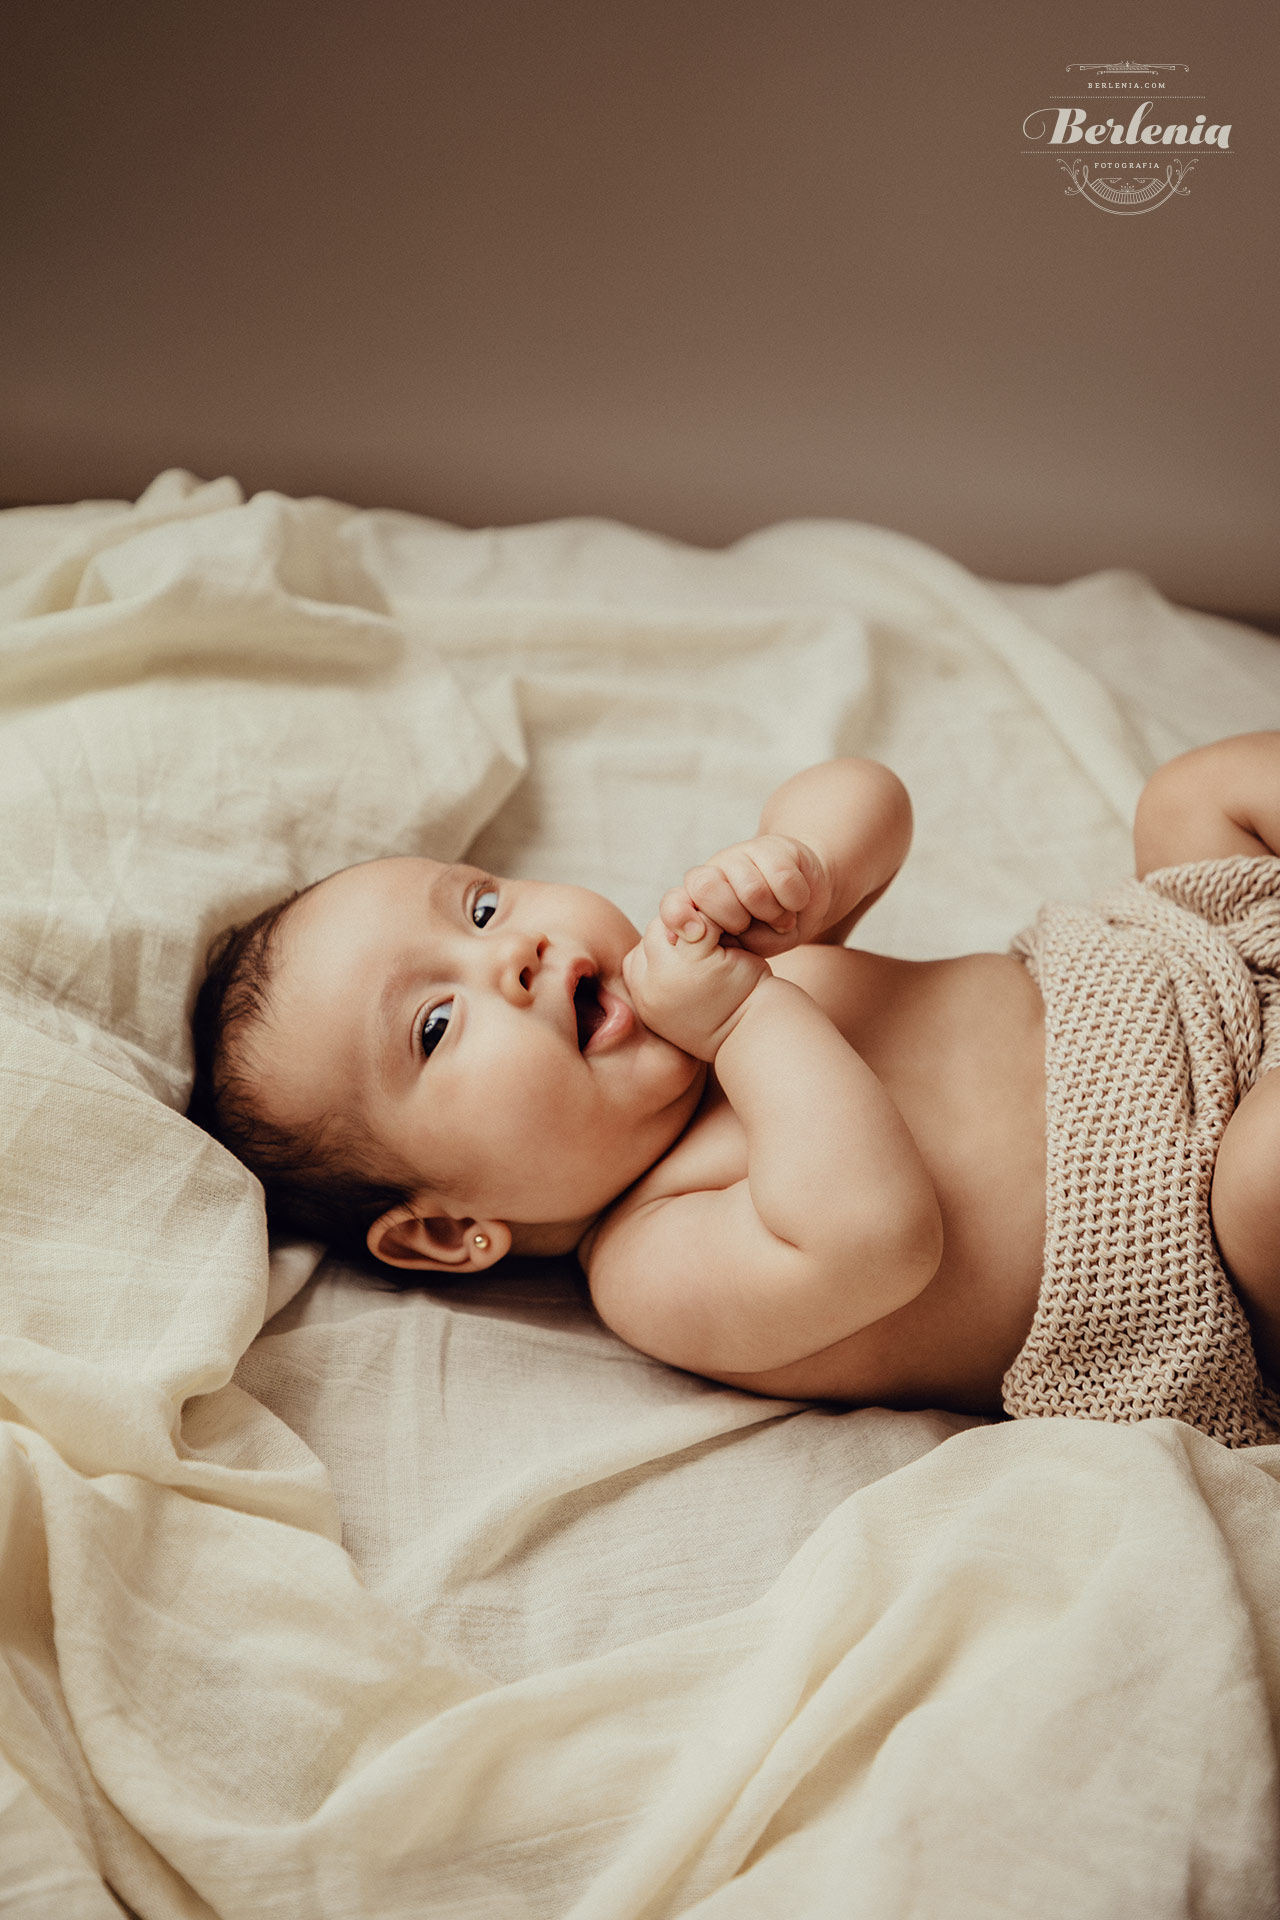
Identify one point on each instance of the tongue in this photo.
(590, 1014)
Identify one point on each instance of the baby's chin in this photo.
(590, 1189)
(683, 1081)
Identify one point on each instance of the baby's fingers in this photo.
(779, 863)
(716, 890)
(739, 885)
(679, 915)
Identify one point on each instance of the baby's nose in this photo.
(524, 961)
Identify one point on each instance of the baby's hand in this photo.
(690, 991)
(756, 891)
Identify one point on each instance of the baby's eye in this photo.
(484, 906)
(432, 1030)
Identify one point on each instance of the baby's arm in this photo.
(830, 840)
(836, 1223)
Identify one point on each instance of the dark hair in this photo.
(314, 1175)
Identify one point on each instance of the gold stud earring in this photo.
(480, 1240)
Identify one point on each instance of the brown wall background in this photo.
(697, 266)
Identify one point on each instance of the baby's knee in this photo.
(1215, 801)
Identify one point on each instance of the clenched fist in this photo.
(756, 892)
(690, 991)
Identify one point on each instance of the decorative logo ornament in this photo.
(1126, 193)
(1137, 182)
(1128, 66)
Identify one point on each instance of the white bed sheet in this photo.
(450, 1603)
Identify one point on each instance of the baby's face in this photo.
(481, 1033)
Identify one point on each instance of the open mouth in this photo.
(587, 1010)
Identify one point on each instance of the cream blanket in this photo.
(449, 1603)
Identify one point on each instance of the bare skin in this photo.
(801, 1168)
(959, 1047)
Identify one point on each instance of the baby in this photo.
(794, 1166)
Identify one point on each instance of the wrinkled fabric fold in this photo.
(321, 1601)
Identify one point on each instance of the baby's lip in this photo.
(619, 1016)
(619, 1021)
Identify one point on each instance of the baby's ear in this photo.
(416, 1234)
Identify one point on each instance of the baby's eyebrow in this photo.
(439, 901)
(386, 1019)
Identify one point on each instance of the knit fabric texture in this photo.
(1162, 1006)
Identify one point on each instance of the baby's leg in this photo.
(1214, 801)
(1245, 1204)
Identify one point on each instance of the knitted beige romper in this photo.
(1160, 1001)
